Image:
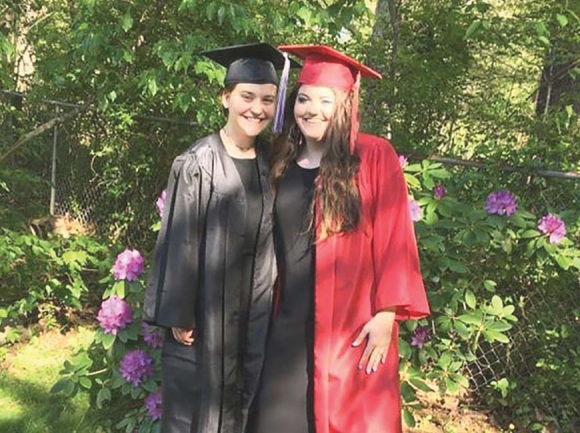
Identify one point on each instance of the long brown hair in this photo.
(336, 188)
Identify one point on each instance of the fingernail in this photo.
(374, 368)
(360, 367)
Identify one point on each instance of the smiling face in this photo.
(250, 108)
(313, 111)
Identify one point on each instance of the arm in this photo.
(172, 285)
(399, 292)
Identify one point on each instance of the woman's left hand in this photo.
(378, 330)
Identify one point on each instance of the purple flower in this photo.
(114, 314)
(551, 224)
(402, 160)
(420, 337)
(501, 203)
(160, 203)
(153, 405)
(151, 335)
(439, 192)
(136, 366)
(128, 266)
(415, 210)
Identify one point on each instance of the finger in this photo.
(365, 356)
(384, 355)
(188, 336)
(374, 360)
(361, 337)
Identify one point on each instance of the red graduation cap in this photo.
(326, 67)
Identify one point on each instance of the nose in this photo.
(257, 108)
(312, 108)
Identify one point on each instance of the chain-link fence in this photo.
(78, 187)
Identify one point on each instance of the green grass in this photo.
(26, 376)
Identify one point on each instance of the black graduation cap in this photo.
(250, 63)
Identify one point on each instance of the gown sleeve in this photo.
(397, 271)
(173, 281)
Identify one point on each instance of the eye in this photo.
(302, 99)
(268, 101)
(328, 101)
(246, 97)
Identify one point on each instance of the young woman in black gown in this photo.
(214, 265)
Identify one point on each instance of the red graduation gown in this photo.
(358, 274)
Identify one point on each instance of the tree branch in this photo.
(43, 128)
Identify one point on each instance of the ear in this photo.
(226, 99)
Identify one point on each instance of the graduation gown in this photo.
(356, 275)
(195, 283)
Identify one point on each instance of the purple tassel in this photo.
(279, 118)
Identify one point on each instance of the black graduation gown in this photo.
(194, 283)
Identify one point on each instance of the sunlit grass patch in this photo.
(26, 376)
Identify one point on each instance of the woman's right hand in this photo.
(183, 336)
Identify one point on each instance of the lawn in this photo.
(27, 372)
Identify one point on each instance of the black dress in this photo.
(284, 401)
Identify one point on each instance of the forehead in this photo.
(257, 89)
(316, 91)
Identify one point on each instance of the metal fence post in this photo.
(53, 171)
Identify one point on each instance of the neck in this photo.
(311, 154)
(237, 145)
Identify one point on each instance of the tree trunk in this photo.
(559, 86)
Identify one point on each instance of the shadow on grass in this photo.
(29, 408)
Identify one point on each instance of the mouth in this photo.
(254, 119)
(312, 121)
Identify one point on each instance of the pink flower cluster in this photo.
(153, 405)
(415, 210)
(501, 203)
(160, 203)
(152, 336)
(420, 337)
(553, 226)
(136, 367)
(114, 314)
(129, 265)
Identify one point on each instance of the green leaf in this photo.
(126, 22)
(544, 40)
(498, 326)
(489, 285)
(409, 418)
(462, 330)
(75, 257)
(85, 382)
(457, 266)
(103, 395)
(407, 392)
(59, 386)
(421, 385)
(562, 20)
(472, 29)
(530, 234)
(491, 336)
(563, 261)
(497, 304)
(108, 341)
(460, 379)
(470, 299)
(471, 319)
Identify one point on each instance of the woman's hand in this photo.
(183, 336)
(378, 330)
